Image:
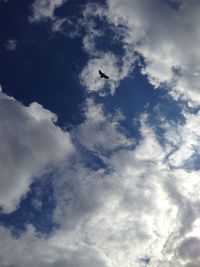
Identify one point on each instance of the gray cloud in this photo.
(190, 248)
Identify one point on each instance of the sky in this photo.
(99, 172)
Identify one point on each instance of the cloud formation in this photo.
(100, 131)
(169, 46)
(30, 143)
(140, 206)
(44, 9)
(136, 198)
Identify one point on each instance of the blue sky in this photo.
(94, 171)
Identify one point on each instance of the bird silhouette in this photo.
(103, 75)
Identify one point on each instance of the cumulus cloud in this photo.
(108, 211)
(136, 199)
(169, 46)
(30, 142)
(140, 199)
(141, 207)
(43, 9)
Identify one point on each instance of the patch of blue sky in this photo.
(134, 96)
(95, 163)
(19, 12)
(35, 208)
(92, 160)
(46, 71)
(193, 163)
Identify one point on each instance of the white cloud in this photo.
(183, 141)
(90, 77)
(30, 250)
(30, 142)
(145, 202)
(101, 132)
(168, 46)
(138, 200)
(11, 44)
(39, 113)
(115, 66)
(109, 63)
(43, 9)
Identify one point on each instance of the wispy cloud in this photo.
(44, 9)
(11, 44)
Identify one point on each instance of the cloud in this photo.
(44, 9)
(11, 45)
(109, 63)
(169, 47)
(30, 144)
(50, 252)
(116, 66)
(186, 139)
(189, 248)
(101, 132)
(138, 199)
(135, 199)
(58, 24)
(142, 204)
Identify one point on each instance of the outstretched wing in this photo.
(103, 75)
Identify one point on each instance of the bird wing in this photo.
(105, 76)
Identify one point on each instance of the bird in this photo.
(103, 75)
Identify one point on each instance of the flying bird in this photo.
(103, 75)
